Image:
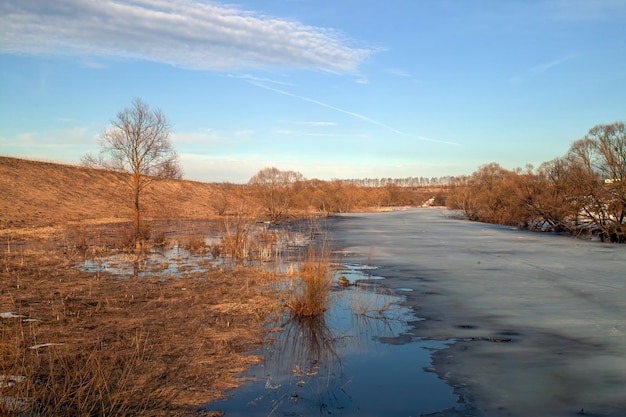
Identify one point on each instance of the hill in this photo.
(37, 194)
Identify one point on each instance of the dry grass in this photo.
(122, 346)
(112, 346)
(41, 194)
(313, 284)
(370, 301)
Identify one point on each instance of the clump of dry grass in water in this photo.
(236, 237)
(195, 244)
(314, 279)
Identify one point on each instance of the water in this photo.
(174, 261)
(538, 320)
(271, 247)
(356, 360)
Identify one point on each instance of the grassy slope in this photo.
(34, 194)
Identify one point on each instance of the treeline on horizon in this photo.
(582, 192)
(283, 194)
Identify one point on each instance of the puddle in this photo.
(355, 360)
(266, 245)
(158, 262)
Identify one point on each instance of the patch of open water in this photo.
(175, 260)
(355, 360)
(277, 247)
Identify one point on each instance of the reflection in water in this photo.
(177, 259)
(304, 360)
(157, 262)
(343, 363)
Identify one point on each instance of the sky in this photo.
(328, 88)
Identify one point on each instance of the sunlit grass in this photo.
(314, 279)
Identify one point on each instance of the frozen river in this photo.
(539, 319)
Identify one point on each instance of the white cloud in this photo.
(186, 33)
(64, 145)
(204, 138)
(209, 168)
(585, 10)
(321, 123)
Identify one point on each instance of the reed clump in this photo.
(313, 283)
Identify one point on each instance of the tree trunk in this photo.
(136, 191)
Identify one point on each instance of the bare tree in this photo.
(599, 161)
(275, 188)
(137, 143)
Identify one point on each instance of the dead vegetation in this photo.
(41, 194)
(91, 343)
(76, 343)
(312, 282)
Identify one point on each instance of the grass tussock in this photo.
(314, 280)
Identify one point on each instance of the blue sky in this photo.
(329, 88)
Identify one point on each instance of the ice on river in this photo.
(540, 319)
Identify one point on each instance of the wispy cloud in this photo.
(585, 10)
(186, 33)
(321, 123)
(350, 113)
(62, 145)
(328, 106)
(249, 77)
(290, 132)
(551, 64)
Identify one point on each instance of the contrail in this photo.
(353, 114)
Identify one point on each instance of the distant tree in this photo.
(274, 187)
(138, 143)
(547, 197)
(491, 194)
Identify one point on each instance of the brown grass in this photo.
(313, 284)
(113, 346)
(41, 194)
(121, 346)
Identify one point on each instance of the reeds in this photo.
(370, 301)
(314, 281)
(56, 379)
